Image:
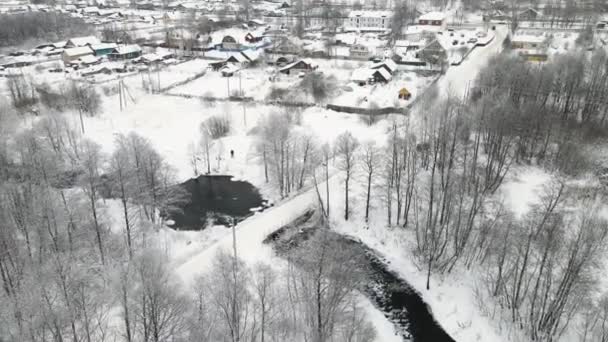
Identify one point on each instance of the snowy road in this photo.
(456, 79)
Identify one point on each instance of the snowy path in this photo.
(250, 234)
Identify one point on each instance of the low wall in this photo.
(367, 111)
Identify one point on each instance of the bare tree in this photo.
(161, 309)
(346, 148)
(370, 158)
(91, 160)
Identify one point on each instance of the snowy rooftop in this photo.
(89, 59)
(370, 14)
(125, 49)
(361, 75)
(528, 38)
(104, 46)
(77, 51)
(433, 16)
(82, 41)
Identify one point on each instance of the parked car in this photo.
(473, 40)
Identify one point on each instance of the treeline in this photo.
(15, 29)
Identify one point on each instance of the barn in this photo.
(300, 65)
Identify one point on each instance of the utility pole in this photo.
(243, 96)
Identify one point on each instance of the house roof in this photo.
(78, 51)
(94, 69)
(361, 75)
(370, 14)
(433, 16)
(240, 58)
(151, 57)
(251, 55)
(229, 68)
(91, 9)
(530, 9)
(104, 46)
(385, 74)
(88, 59)
(527, 38)
(389, 63)
(291, 65)
(82, 41)
(126, 49)
(257, 22)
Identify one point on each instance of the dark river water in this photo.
(400, 303)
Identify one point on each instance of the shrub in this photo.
(216, 126)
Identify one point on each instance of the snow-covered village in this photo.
(303, 170)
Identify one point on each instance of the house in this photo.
(255, 23)
(237, 58)
(433, 54)
(495, 14)
(285, 46)
(283, 60)
(252, 56)
(300, 65)
(534, 55)
(434, 48)
(253, 37)
(150, 58)
(81, 41)
(73, 54)
(18, 62)
(381, 76)
(216, 66)
(88, 60)
(91, 10)
(387, 64)
(229, 70)
(528, 42)
(230, 43)
(369, 20)
(103, 49)
(433, 19)
(359, 51)
(125, 52)
(404, 94)
(528, 14)
(94, 70)
(362, 76)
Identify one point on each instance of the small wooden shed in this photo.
(404, 94)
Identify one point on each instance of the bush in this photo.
(50, 98)
(216, 126)
(319, 86)
(277, 94)
(84, 98)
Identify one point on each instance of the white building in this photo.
(369, 20)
